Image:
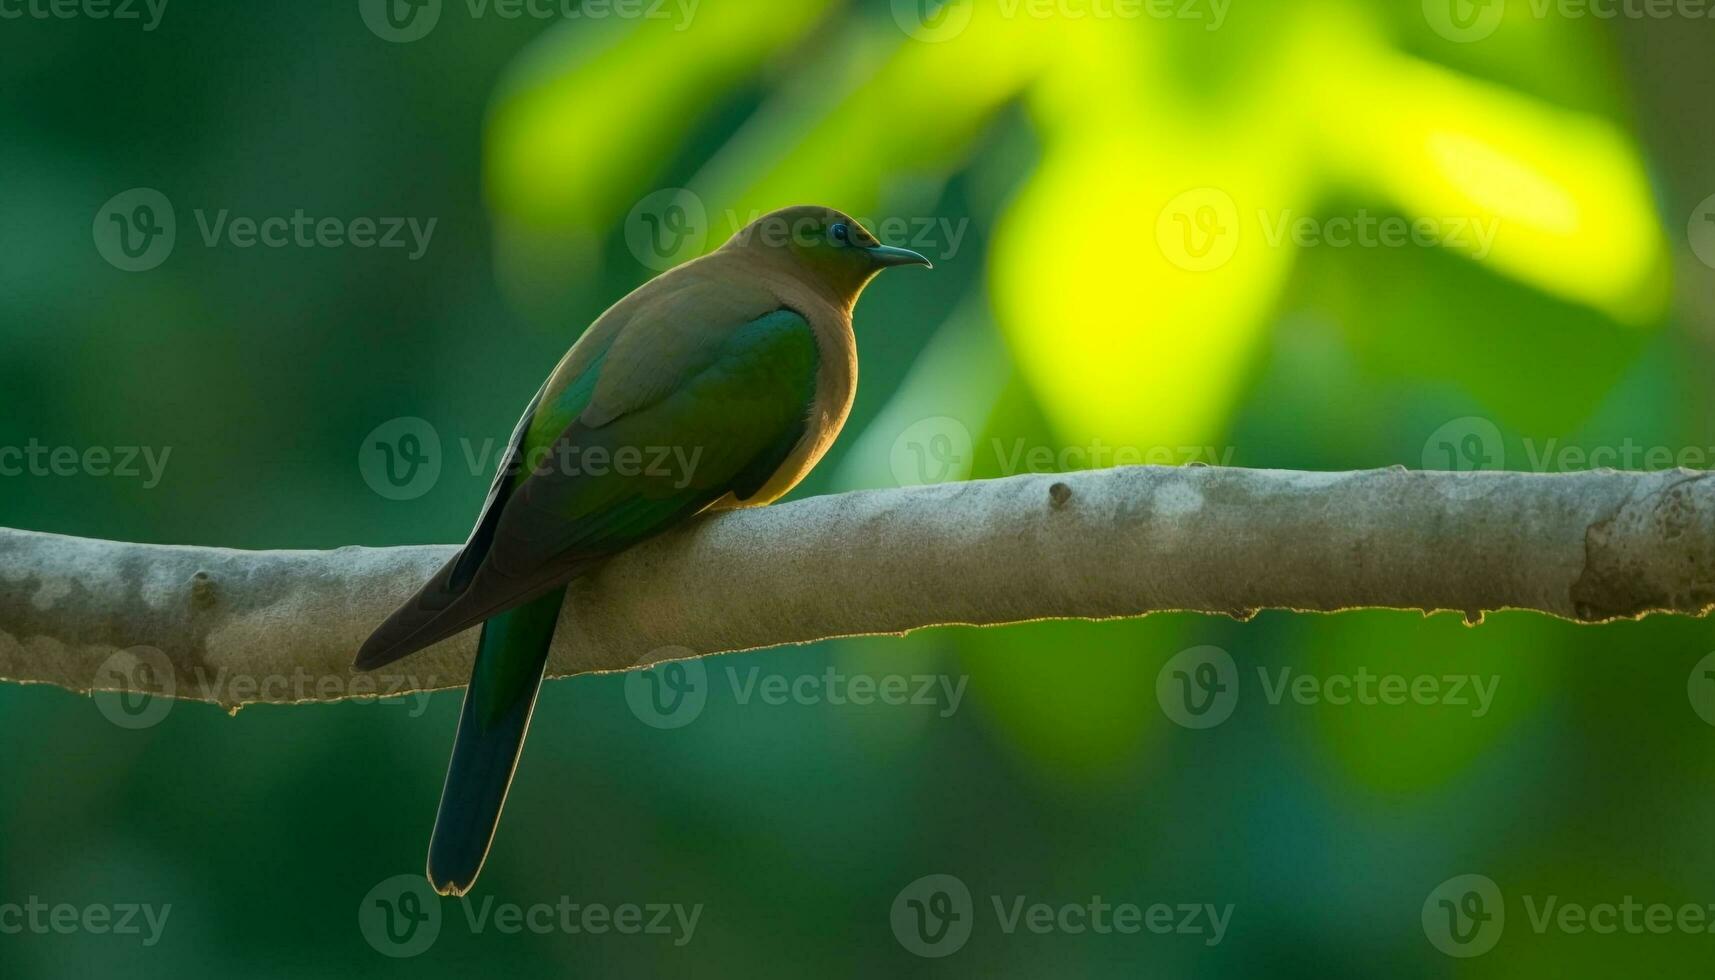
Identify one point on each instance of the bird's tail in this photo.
(510, 660)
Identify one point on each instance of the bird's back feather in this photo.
(733, 410)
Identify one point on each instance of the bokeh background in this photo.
(1147, 221)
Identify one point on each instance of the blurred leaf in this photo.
(1538, 363)
(584, 120)
(1467, 689)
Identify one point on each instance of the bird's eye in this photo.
(841, 233)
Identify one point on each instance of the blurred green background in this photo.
(1148, 222)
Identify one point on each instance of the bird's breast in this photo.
(836, 387)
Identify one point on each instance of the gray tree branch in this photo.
(236, 627)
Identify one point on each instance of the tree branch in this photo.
(236, 627)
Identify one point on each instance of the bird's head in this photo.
(822, 247)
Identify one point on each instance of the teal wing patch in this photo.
(573, 493)
(726, 427)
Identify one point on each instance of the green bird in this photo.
(718, 384)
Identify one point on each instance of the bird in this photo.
(716, 385)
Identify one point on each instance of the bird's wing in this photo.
(656, 340)
(669, 337)
(608, 463)
(464, 565)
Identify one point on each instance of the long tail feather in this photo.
(510, 660)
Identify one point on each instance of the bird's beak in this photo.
(886, 256)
